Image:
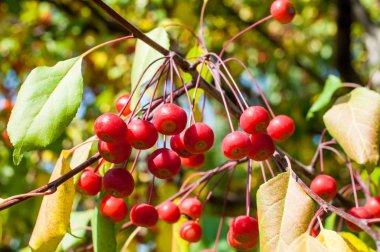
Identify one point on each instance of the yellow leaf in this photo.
(306, 243)
(178, 244)
(53, 219)
(332, 241)
(355, 244)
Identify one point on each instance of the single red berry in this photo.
(262, 147)
(120, 103)
(191, 231)
(141, 134)
(169, 212)
(170, 119)
(110, 128)
(194, 162)
(241, 246)
(244, 228)
(115, 153)
(199, 138)
(118, 182)
(314, 232)
(113, 209)
(178, 145)
(89, 182)
(324, 186)
(236, 145)
(281, 127)
(164, 163)
(373, 206)
(191, 207)
(283, 11)
(144, 215)
(358, 212)
(254, 120)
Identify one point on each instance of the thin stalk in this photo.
(248, 188)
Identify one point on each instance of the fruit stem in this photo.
(263, 171)
(101, 161)
(135, 162)
(364, 187)
(269, 168)
(202, 25)
(104, 44)
(316, 215)
(192, 119)
(151, 190)
(248, 188)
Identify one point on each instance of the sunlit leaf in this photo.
(330, 221)
(284, 212)
(354, 243)
(354, 121)
(332, 84)
(47, 102)
(79, 156)
(332, 241)
(305, 243)
(178, 244)
(144, 56)
(53, 219)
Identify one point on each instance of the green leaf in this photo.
(354, 121)
(196, 52)
(355, 244)
(103, 231)
(284, 212)
(330, 221)
(47, 102)
(53, 219)
(305, 243)
(332, 84)
(144, 56)
(332, 241)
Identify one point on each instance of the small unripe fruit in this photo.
(90, 182)
(236, 145)
(141, 134)
(169, 212)
(164, 163)
(254, 120)
(118, 182)
(191, 207)
(120, 103)
(194, 162)
(115, 153)
(170, 119)
(281, 127)
(191, 231)
(324, 186)
(358, 212)
(262, 147)
(283, 11)
(113, 209)
(110, 128)
(199, 138)
(144, 215)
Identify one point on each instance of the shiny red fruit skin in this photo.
(118, 182)
(358, 212)
(262, 147)
(373, 206)
(191, 231)
(281, 127)
(244, 228)
(194, 162)
(90, 182)
(120, 102)
(236, 145)
(164, 163)
(178, 145)
(113, 209)
(169, 212)
(143, 215)
(199, 138)
(283, 11)
(241, 246)
(191, 207)
(170, 119)
(324, 186)
(254, 120)
(141, 134)
(110, 128)
(114, 153)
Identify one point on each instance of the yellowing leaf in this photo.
(354, 121)
(53, 219)
(284, 212)
(178, 244)
(306, 243)
(354, 243)
(332, 241)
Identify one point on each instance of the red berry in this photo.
(170, 119)
(283, 11)
(314, 232)
(244, 228)
(110, 128)
(164, 163)
(281, 127)
(236, 145)
(118, 182)
(241, 246)
(191, 207)
(168, 212)
(114, 153)
(262, 147)
(254, 120)
(373, 206)
(194, 162)
(324, 186)
(199, 138)
(113, 209)
(141, 134)
(358, 212)
(178, 145)
(89, 182)
(120, 103)
(191, 231)
(144, 215)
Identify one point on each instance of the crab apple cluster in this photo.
(243, 233)
(259, 146)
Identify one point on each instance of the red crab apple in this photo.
(194, 162)
(254, 120)
(110, 128)
(199, 138)
(191, 231)
(283, 11)
(141, 134)
(120, 103)
(358, 212)
(191, 207)
(324, 186)
(178, 145)
(90, 182)
(262, 147)
(244, 228)
(169, 212)
(118, 182)
(373, 206)
(241, 246)
(281, 128)
(164, 163)
(144, 215)
(236, 145)
(170, 119)
(115, 153)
